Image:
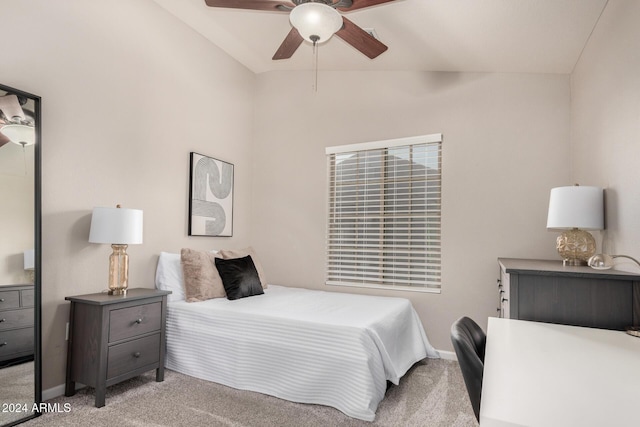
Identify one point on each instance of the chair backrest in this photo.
(469, 342)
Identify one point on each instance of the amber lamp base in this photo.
(118, 270)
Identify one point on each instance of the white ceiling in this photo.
(537, 36)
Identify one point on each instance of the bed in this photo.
(302, 345)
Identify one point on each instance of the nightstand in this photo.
(115, 337)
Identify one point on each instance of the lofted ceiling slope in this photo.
(529, 36)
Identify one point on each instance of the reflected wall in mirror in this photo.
(20, 142)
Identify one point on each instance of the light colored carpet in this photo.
(432, 393)
(16, 387)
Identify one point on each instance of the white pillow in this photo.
(169, 276)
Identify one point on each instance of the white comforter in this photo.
(306, 346)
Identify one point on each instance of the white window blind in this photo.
(384, 214)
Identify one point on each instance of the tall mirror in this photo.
(20, 386)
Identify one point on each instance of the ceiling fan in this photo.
(315, 21)
(16, 123)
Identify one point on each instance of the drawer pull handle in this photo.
(138, 321)
(504, 299)
(3, 320)
(3, 344)
(1, 299)
(136, 354)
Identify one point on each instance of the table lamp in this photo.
(119, 227)
(576, 209)
(29, 258)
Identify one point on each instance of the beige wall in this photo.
(505, 145)
(16, 208)
(127, 92)
(605, 124)
(16, 223)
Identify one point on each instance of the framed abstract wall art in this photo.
(210, 197)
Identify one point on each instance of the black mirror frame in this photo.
(37, 237)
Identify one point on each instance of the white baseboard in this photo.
(447, 355)
(52, 392)
(56, 391)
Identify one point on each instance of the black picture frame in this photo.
(210, 196)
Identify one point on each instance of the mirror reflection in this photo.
(17, 254)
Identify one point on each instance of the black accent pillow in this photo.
(239, 277)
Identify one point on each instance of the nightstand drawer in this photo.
(132, 355)
(9, 299)
(16, 341)
(12, 319)
(128, 322)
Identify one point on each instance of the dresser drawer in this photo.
(9, 299)
(12, 319)
(128, 322)
(15, 342)
(132, 355)
(28, 298)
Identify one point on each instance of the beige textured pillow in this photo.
(201, 278)
(241, 253)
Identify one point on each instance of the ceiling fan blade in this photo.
(360, 4)
(271, 5)
(360, 39)
(3, 139)
(289, 45)
(10, 106)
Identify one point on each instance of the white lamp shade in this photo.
(315, 19)
(576, 207)
(116, 226)
(20, 134)
(29, 259)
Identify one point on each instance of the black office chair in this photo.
(469, 342)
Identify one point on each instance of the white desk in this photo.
(541, 374)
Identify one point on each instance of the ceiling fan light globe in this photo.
(315, 21)
(19, 134)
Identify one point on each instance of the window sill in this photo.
(387, 287)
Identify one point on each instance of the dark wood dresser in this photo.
(547, 291)
(16, 322)
(115, 337)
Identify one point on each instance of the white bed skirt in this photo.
(305, 346)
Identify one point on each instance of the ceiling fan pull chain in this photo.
(315, 59)
(314, 39)
(24, 156)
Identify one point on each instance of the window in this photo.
(384, 214)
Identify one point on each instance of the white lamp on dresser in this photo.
(576, 209)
